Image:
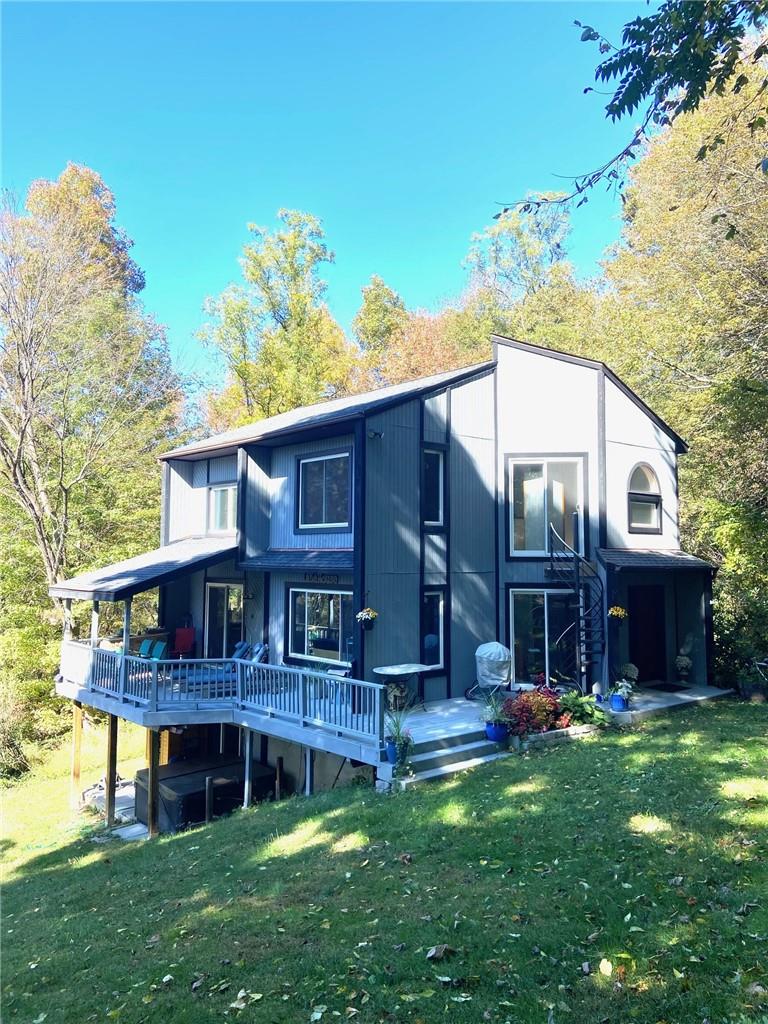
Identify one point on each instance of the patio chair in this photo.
(183, 642)
(159, 649)
(242, 650)
(145, 647)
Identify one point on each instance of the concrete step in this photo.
(433, 774)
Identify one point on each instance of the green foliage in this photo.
(380, 319)
(281, 347)
(88, 398)
(582, 710)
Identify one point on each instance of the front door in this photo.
(223, 618)
(647, 631)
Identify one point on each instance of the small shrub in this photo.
(534, 711)
(581, 710)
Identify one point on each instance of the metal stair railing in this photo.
(567, 566)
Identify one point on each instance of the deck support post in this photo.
(95, 624)
(111, 776)
(67, 618)
(309, 771)
(248, 775)
(77, 740)
(153, 788)
(127, 626)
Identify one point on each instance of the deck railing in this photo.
(346, 707)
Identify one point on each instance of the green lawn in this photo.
(620, 878)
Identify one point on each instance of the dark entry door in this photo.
(647, 631)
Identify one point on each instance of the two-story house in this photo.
(518, 499)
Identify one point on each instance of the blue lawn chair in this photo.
(145, 647)
(158, 650)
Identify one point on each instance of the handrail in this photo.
(348, 707)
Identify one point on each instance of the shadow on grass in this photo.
(618, 878)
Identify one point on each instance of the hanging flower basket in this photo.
(367, 617)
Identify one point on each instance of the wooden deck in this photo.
(338, 715)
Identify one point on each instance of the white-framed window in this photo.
(222, 508)
(320, 625)
(433, 628)
(545, 492)
(644, 500)
(324, 492)
(433, 482)
(543, 635)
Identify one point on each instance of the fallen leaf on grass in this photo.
(440, 951)
(606, 967)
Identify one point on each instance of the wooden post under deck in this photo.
(248, 777)
(111, 777)
(153, 793)
(77, 741)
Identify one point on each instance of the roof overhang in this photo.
(646, 559)
(315, 560)
(143, 572)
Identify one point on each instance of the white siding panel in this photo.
(631, 438)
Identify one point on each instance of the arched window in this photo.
(644, 501)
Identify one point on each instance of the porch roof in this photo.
(648, 558)
(143, 572)
(337, 560)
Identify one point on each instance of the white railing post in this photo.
(302, 697)
(380, 702)
(123, 676)
(153, 689)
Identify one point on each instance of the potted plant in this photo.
(520, 716)
(367, 617)
(620, 694)
(683, 664)
(493, 714)
(398, 739)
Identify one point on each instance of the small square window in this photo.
(324, 492)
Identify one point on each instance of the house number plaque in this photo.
(320, 577)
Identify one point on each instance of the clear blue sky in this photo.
(400, 125)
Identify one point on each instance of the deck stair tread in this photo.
(441, 756)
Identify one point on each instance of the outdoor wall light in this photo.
(375, 433)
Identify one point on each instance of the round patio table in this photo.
(398, 676)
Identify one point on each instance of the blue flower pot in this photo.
(497, 732)
(619, 703)
(391, 751)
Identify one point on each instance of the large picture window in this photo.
(543, 635)
(544, 492)
(433, 482)
(433, 628)
(321, 625)
(324, 492)
(644, 501)
(222, 510)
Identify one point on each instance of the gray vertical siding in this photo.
(257, 500)
(436, 418)
(283, 497)
(472, 538)
(392, 535)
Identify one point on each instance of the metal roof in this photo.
(648, 558)
(334, 410)
(315, 560)
(143, 572)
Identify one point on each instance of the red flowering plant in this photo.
(534, 711)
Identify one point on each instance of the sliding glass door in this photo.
(223, 618)
(543, 635)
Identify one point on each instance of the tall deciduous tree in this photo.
(280, 344)
(85, 381)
